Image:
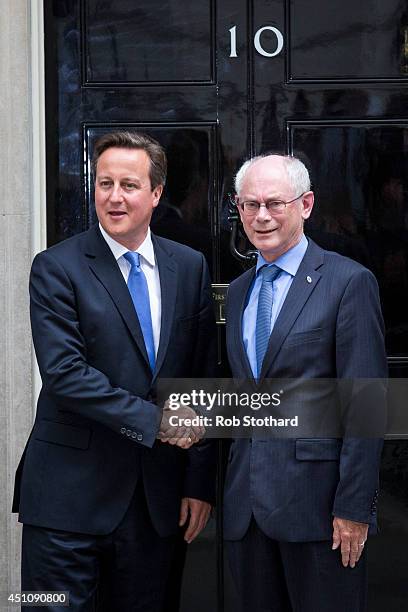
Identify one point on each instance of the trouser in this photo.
(126, 570)
(272, 576)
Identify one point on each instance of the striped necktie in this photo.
(264, 312)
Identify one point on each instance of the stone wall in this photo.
(16, 216)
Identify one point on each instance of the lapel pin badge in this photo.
(309, 279)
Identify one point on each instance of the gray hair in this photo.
(298, 174)
(135, 140)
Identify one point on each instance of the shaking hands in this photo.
(180, 426)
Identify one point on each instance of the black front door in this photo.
(216, 82)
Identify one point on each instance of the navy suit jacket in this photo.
(95, 430)
(330, 326)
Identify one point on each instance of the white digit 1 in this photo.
(257, 41)
(233, 36)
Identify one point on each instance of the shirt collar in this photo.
(146, 249)
(289, 261)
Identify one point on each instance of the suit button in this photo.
(123, 430)
(128, 432)
(140, 437)
(134, 434)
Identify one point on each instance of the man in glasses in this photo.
(298, 511)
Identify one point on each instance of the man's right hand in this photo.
(180, 426)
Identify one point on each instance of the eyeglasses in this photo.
(274, 207)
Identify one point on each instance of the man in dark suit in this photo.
(297, 511)
(112, 310)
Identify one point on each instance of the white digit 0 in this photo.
(257, 41)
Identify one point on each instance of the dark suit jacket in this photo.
(96, 423)
(330, 326)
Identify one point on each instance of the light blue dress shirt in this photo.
(289, 263)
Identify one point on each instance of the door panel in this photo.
(353, 42)
(149, 41)
(361, 185)
(184, 214)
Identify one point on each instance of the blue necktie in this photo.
(137, 285)
(264, 312)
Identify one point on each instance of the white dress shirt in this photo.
(151, 271)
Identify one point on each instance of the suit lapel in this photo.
(168, 272)
(105, 267)
(304, 283)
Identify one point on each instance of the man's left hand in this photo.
(351, 537)
(198, 511)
